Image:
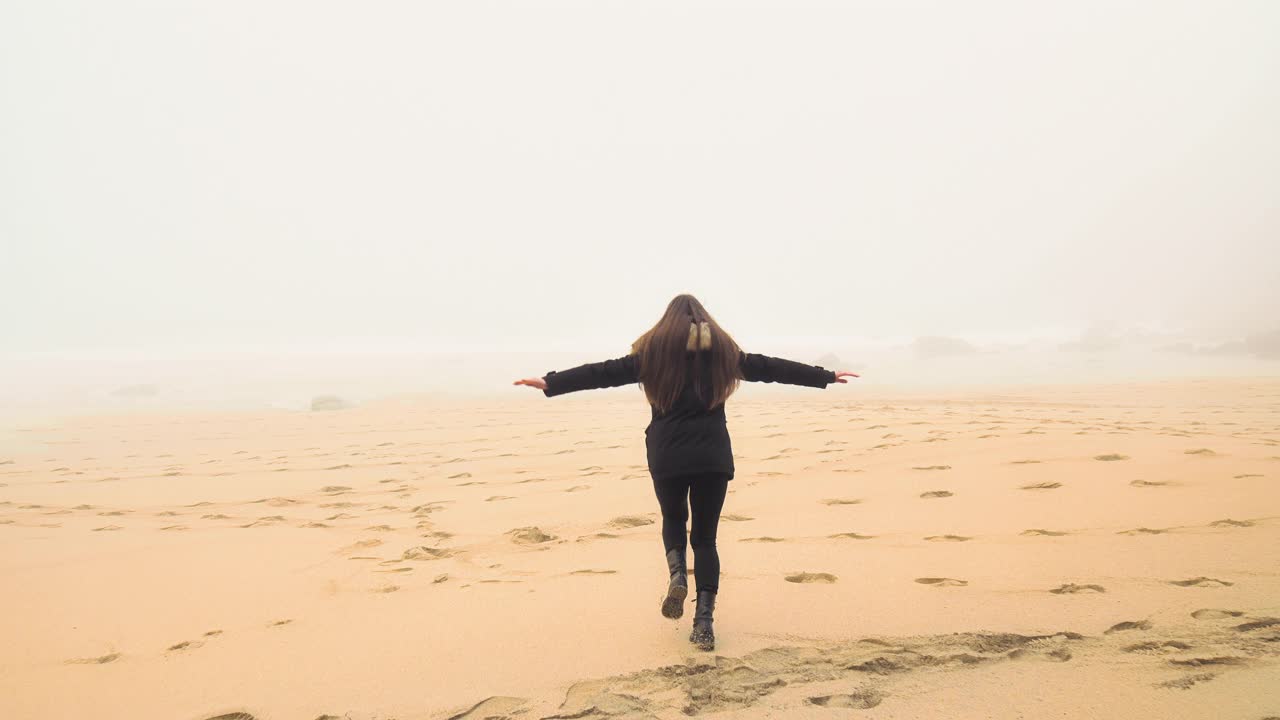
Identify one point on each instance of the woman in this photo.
(688, 366)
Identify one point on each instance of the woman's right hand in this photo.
(843, 373)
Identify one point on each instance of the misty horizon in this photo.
(986, 192)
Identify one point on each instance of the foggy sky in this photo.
(543, 176)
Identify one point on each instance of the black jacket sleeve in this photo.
(608, 373)
(763, 368)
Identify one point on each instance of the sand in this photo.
(1101, 551)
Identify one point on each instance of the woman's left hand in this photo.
(532, 382)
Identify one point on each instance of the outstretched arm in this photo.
(764, 368)
(604, 374)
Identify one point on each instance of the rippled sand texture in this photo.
(1105, 552)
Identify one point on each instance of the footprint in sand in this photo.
(936, 494)
(1042, 531)
(530, 535)
(947, 538)
(630, 521)
(577, 488)
(1111, 457)
(1156, 646)
(1150, 483)
(427, 509)
(185, 645)
(423, 552)
(1188, 681)
(100, 660)
(265, 521)
(862, 700)
(942, 582)
(1208, 661)
(1260, 624)
(840, 501)
(1201, 582)
(1042, 486)
(1213, 614)
(496, 498)
(498, 707)
(852, 536)
(1128, 625)
(762, 538)
(278, 623)
(589, 571)
(108, 528)
(731, 517)
(1200, 451)
(1072, 589)
(933, 467)
(358, 545)
(808, 577)
(1231, 523)
(1143, 531)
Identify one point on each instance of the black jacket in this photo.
(689, 438)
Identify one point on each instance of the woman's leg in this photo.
(672, 499)
(706, 498)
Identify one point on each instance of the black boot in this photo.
(702, 635)
(677, 585)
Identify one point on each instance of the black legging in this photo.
(705, 494)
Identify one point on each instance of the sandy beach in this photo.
(1032, 552)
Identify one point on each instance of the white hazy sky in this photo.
(539, 174)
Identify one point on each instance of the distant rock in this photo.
(829, 361)
(329, 402)
(136, 391)
(1265, 346)
(1094, 339)
(929, 347)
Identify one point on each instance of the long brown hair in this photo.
(686, 340)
